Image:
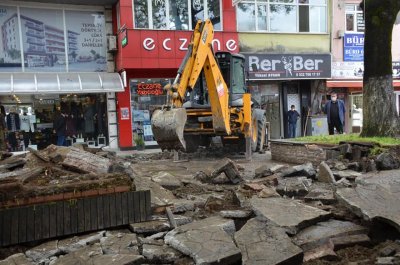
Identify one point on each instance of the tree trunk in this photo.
(379, 106)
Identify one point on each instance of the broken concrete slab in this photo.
(306, 170)
(206, 241)
(348, 174)
(160, 254)
(159, 195)
(167, 180)
(44, 251)
(81, 256)
(289, 214)
(259, 241)
(267, 170)
(325, 174)
(121, 243)
(150, 227)
(77, 242)
(268, 192)
(387, 161)
(320, 234)
(16, 259)
(324, 195)
(324, 251)
(375, 197)
(229, 168)
(296, 186)
(236, 214)
(350, 240)
(387, 261)
(119, 259)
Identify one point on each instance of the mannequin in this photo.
(88, 115)
(13, 125)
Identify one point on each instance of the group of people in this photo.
(335, 112)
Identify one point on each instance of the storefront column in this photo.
(124, 119)
(112, 121)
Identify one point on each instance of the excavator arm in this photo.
(168, 123)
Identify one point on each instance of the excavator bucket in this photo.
(167, 127)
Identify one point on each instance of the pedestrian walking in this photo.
(293, 116)
(335, 110)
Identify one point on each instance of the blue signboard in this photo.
(353, 47)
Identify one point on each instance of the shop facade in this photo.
(54, 59)
(157, 34)
(348, 57)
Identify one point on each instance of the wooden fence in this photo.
(69, 217)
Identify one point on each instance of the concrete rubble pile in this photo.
(232, 211)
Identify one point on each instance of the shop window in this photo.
(175, 15)
(354, 18)
(282, 16)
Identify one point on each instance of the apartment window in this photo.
(354, 18)
(282, 16)
(175, 14)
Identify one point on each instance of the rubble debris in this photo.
(296, 186)
(289, 214)
(16, 259)
(77, 242)
(343, 183)
(150, 227)
(354, 166)
(375, 197)
(348, 174)
(120, 243)
(350, 240)
(12, 163)
(368, 165)
(268, 192)
(339, 165)
(160, 254)
(85, 162)
(159, 195)
(387, 261)
(322, 194)
(254, 186)
(324, 251)
(386, 161)
(207, 241)
(390, 250)
(300, 170)
(167, 180)
(259, 241)
(320, 233)
(43, 252)
(325, 174)
(229, 168)
(267, 170)
(235, 214)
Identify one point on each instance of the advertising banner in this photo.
(288, 66)
(353, 47)
(355, 70)
(10, 49)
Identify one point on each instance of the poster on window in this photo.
(10, 50)
(86, 41)
(124, 113)
(43, 40)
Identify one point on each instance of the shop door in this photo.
(292, 98)
(356, 113)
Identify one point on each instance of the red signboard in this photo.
(160, 49)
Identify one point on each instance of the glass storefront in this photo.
(146, 96)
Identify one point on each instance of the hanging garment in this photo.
(26, 123)
(13, 122)
(88, 115)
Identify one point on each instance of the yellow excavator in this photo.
(208, 98)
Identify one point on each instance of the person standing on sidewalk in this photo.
(293, 116)
(335, 110)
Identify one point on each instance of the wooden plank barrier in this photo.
(69, 217)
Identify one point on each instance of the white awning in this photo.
(59, 83)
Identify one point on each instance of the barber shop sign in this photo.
(288, 66)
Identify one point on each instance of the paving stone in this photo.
(167, 180)
(289, 214)
(319, 234)
(160, 254)
(325, 174)
(16, 259)
(296, 186)
(300, 170)
(44, 251)
(375, 197)
(150, 227)
(236, 214)
(207, 241)
(121, 243)
(259, 241)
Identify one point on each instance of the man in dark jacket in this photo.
(293, 116)
(59, 127)
(335, 110)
